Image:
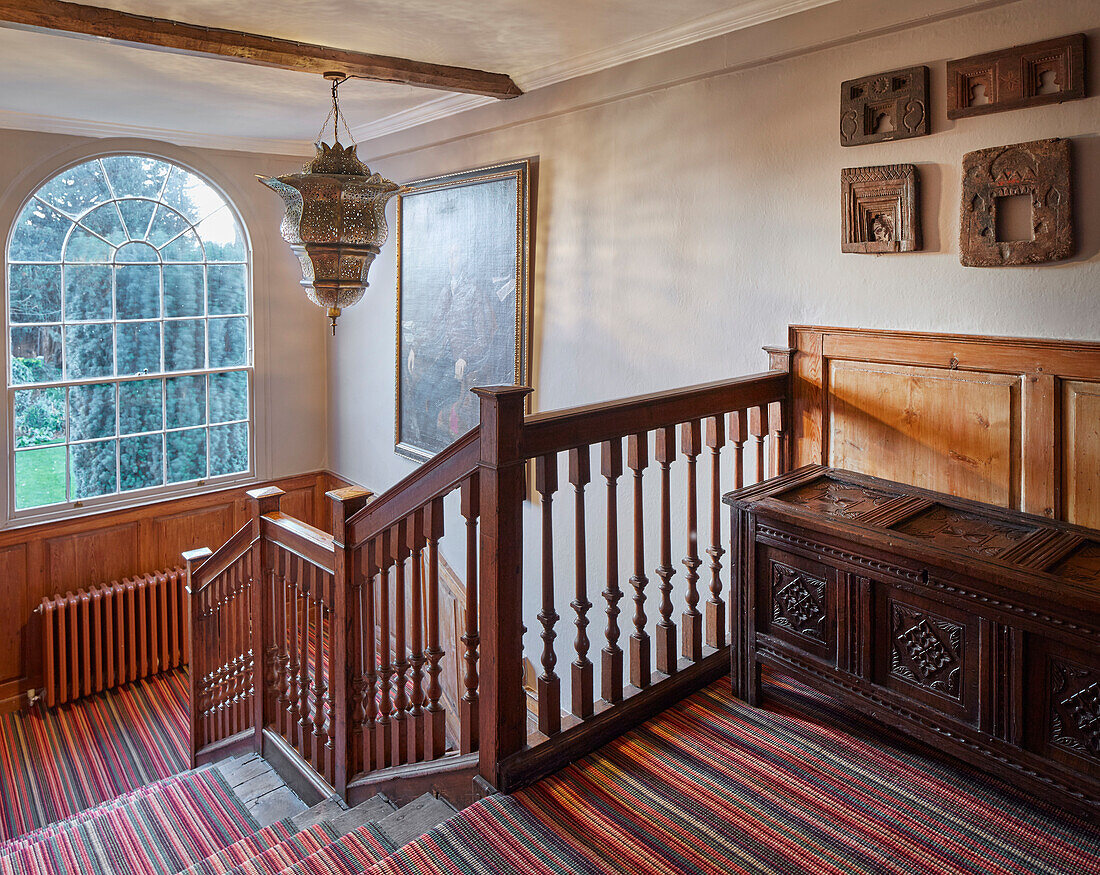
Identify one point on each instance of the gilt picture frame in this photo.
(463, 299)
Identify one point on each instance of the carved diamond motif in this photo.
(1075, 708)
(927, 650)
(798, 601)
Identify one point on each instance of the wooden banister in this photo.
(208, 565)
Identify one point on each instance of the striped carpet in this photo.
(54, 763)
(713, 786)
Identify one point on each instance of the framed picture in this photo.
(463, 299)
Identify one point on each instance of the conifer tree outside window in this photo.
(129, 335)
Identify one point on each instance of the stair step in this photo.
(244, 850)
(418, 817)
(373, 809)
(261, 789)
(285, 854)
(350, 854)
(325, 811)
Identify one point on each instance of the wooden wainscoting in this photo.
(49, 558)
(1009, 421)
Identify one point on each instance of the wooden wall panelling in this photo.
(48, 558)
(1050, 446)
(887, 420)
(1080, 418)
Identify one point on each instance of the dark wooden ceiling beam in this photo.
(247, 48)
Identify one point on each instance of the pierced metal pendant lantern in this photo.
(335, 220)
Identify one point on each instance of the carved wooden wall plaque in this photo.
(1048, 72)
(880, 209)
(1039, 174)
(886, 106)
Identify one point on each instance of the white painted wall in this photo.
(290, 333)
(689, 211)
(682, 226)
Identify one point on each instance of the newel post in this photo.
(193, 559)
(346, 629)
(781, 358)
(501, 477)
(262, 501)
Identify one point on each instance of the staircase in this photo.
(235, 817)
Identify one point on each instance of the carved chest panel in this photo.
(970, 627)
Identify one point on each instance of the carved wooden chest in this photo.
(972, 628)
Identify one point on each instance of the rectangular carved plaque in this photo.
(880, 209)
(886, 106)
(1048, 72)
(1038, 173)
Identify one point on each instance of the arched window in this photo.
(130, 365)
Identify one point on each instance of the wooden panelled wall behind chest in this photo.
(38, 561)
(1009, 421)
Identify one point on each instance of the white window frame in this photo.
(70, 508)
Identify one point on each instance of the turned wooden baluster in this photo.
(549, 684)
(305, 595)
(758, 427)
(637, 458)
(777, 437)
(401, 662)
(415, 742)
(437, 716)
(580, 475)
(739, 433)
(385, 668)
(664, 454)
(716, 609)
(691, 442)
(369, 559)
(611, 674)
(468, 707)
(320, 672)
(278, 639)
(293, 607)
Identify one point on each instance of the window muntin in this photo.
(129, 334)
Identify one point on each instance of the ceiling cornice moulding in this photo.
(28, 121)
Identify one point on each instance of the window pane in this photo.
(89, 351)
(186, 454)
(185, 248)
(184, 345)
(222, 237)
(228, 342)
(39, 477)
(228, 449)
(183, 290)
(139, 406)
(136, 175)
(141, 463)
(167, 225)
(85, 246)
(185, 401)
(77, 189)
(34, 292)
(228, 396)
(226, 288)
(137, 215)
(92, 469)
(35, 354)
(87, 291)
(39, 417)
(107, 223)
(137, 291)
(136, 252)
(138, 348)
(191, 195)
(39, 234)
(91, 411)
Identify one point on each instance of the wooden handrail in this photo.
(312, 544)
(434, 478)
(221, 559)
(594, 423)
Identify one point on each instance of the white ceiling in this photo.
(73, 84)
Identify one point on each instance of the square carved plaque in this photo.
(880, 209)
(886, 106)
(1030, 182)
(1048, 72)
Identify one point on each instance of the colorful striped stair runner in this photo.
(159, 830)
